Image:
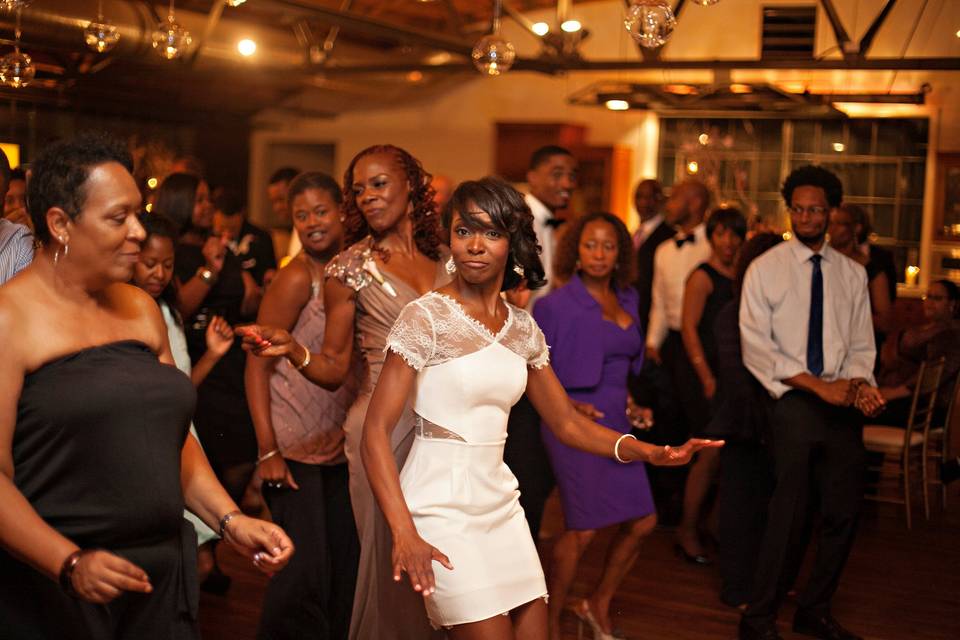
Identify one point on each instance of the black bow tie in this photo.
(681, 240)
(554, 222)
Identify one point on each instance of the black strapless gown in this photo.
(96, 451)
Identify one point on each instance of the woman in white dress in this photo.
(467, 356)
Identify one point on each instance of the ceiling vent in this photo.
(788, 32)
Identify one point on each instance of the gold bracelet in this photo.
(267, 456)
(306, 360)
(616, 448)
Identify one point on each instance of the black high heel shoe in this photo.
(697, 558)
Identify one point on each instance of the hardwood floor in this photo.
(898, 585)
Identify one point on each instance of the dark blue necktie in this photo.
(815, 330)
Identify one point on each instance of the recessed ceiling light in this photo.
(571, 26)
(617, 105)
(247, 47)
(540, 28)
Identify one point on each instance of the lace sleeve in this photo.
(527, 340)
(412, 336)
(540, 353)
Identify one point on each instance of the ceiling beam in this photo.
(361, 25)
(545, 66)
(843, 40)
(867, 40)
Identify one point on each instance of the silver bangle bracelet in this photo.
(616, 448)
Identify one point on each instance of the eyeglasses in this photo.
(814, 210)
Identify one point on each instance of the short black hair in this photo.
(16, 174)
(729, 218)
(176, 198)
(314, 180)
(283, 174)
(813, 176)
(544, 153)
(229, 202)
(60, 174)
(509, 214)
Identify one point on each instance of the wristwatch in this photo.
(207, 276)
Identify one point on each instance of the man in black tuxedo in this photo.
(648, 199)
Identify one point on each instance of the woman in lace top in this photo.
(393, 257)
(466, 356)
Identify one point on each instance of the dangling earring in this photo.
(56, 254)
(450, 266)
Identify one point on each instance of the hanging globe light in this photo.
(705, 3)
(650, 22)
(493, 55)
(101, 35)
(17, 69)
(235, 3)
(170, 39)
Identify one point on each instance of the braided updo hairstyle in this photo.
(426, 226)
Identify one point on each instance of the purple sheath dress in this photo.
(592, 358)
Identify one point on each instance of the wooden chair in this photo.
(936, 448)
(901, 448)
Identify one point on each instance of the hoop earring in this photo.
(450, 266)
(56, 254)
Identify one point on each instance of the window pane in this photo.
(804, 135)
(860, 137)
(885, 185)
(831, 134)
(911, 218)
(883, 219)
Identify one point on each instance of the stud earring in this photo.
(450, 266)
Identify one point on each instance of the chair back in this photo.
(951, 407)
(924, 398)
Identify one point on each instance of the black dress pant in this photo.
(745, 485)
(817, 450)
(313, 596)
(526, 456)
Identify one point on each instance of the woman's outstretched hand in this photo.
(263, 542)
(416, 556)
(668, 456)
(268, 342)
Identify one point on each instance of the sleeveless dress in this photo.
(382, 609)
(313, 595)
(722, 294)
(96, 452)
(462, 496)
(596, 491)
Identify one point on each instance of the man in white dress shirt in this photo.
(552, 177)
(16, 240)
(807, 336)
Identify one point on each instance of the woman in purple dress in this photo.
(595, 340)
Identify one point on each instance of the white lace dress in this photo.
(463, 498)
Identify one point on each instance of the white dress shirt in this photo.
(645, 229)
(545, 236)
(16, 249)
(775, 316)
(672, 265)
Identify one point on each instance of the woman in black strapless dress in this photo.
(95, 465)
